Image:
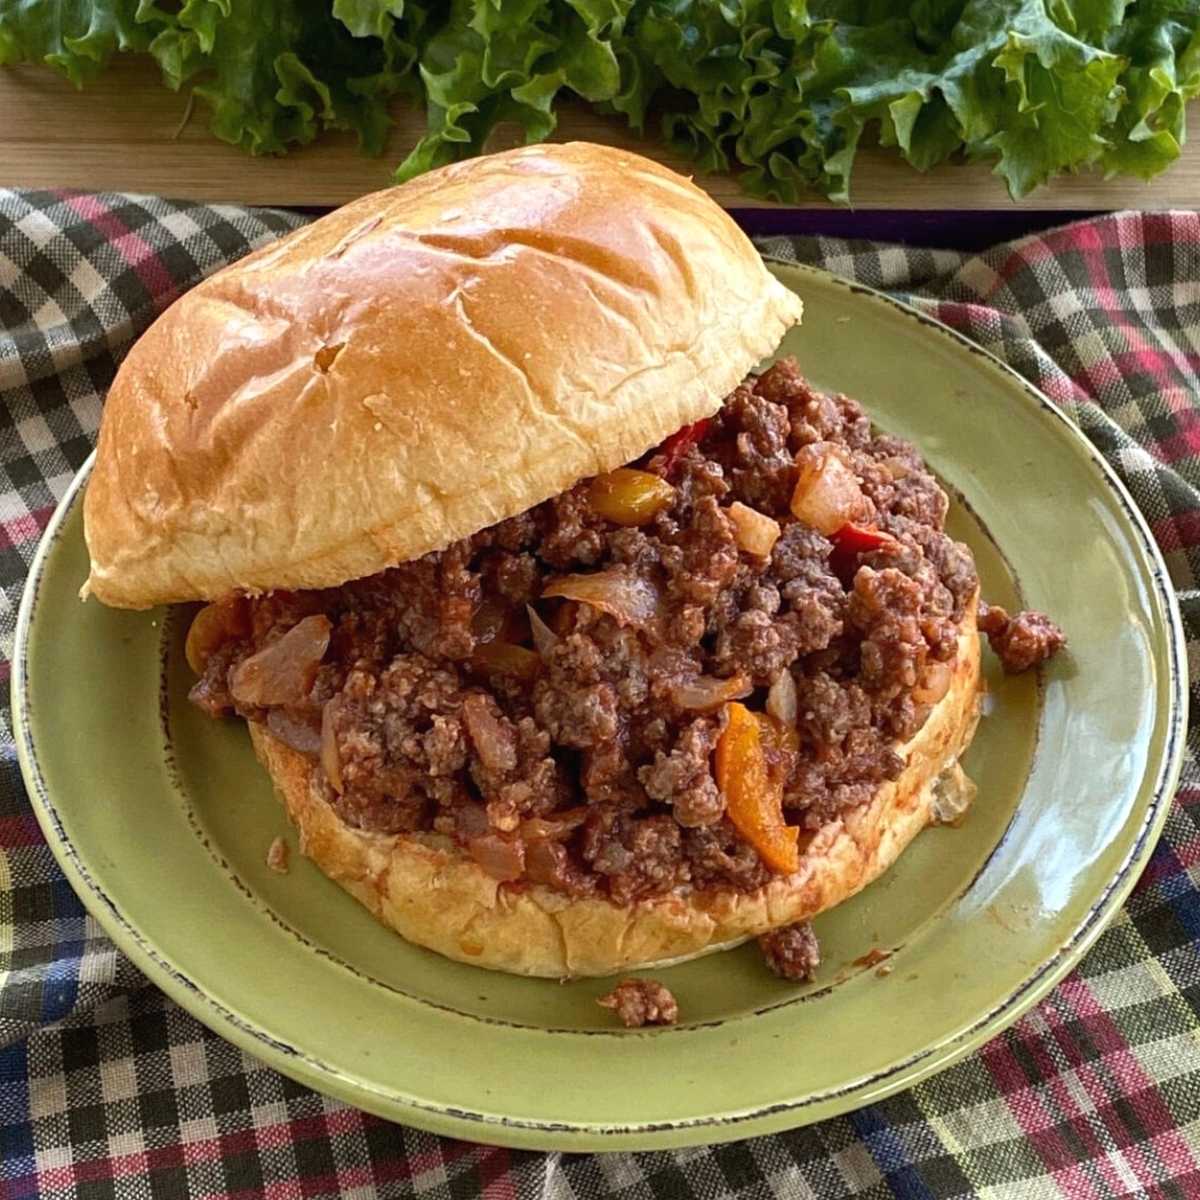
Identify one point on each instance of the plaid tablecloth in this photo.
(108, 1089)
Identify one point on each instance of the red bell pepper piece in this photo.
(678, 444)
(859, 539)
(849, 542)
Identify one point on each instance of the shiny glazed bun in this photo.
(416, 366)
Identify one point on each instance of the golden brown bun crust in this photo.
(423, 888)
(416, 366)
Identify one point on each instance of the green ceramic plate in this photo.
(161, 820)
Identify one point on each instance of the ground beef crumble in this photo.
(639, 1002)
(562, 746)
(792, 952)
(1020, 642)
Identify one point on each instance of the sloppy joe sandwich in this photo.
(573, 639)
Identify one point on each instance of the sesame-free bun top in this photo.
(416, 366)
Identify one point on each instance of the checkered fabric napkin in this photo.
(108, 1089)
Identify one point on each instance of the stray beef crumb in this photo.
(641, 1002)
(1020, 642)
(792, 952)
(277, 856)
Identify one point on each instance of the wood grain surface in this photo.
(126, 132)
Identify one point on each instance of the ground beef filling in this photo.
(550, 692)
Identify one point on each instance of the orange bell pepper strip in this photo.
(754, 802)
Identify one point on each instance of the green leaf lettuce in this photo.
(781, 91)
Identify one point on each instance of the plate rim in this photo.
(257, 1040)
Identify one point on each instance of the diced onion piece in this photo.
(935, 684)
(953, 793)
(283, 672)
(544, 638)
(753, 800)
(502, 858)
(298, 732)
(755, 532)
(556, 826)
(492, 738)
(546, 862)
(897, 468)
(505, 658)
(331, 760)
(782, 702)
(629, 497)
(827, 494)
(214, 624)
(703, 693)
(629, 598)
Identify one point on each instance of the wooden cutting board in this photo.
(126, 132)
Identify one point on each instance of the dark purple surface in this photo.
(919, 227)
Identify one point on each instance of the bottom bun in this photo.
(428, 891)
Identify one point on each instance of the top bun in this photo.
(416, 366)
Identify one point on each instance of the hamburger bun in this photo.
(417, 366)
(431, 893)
